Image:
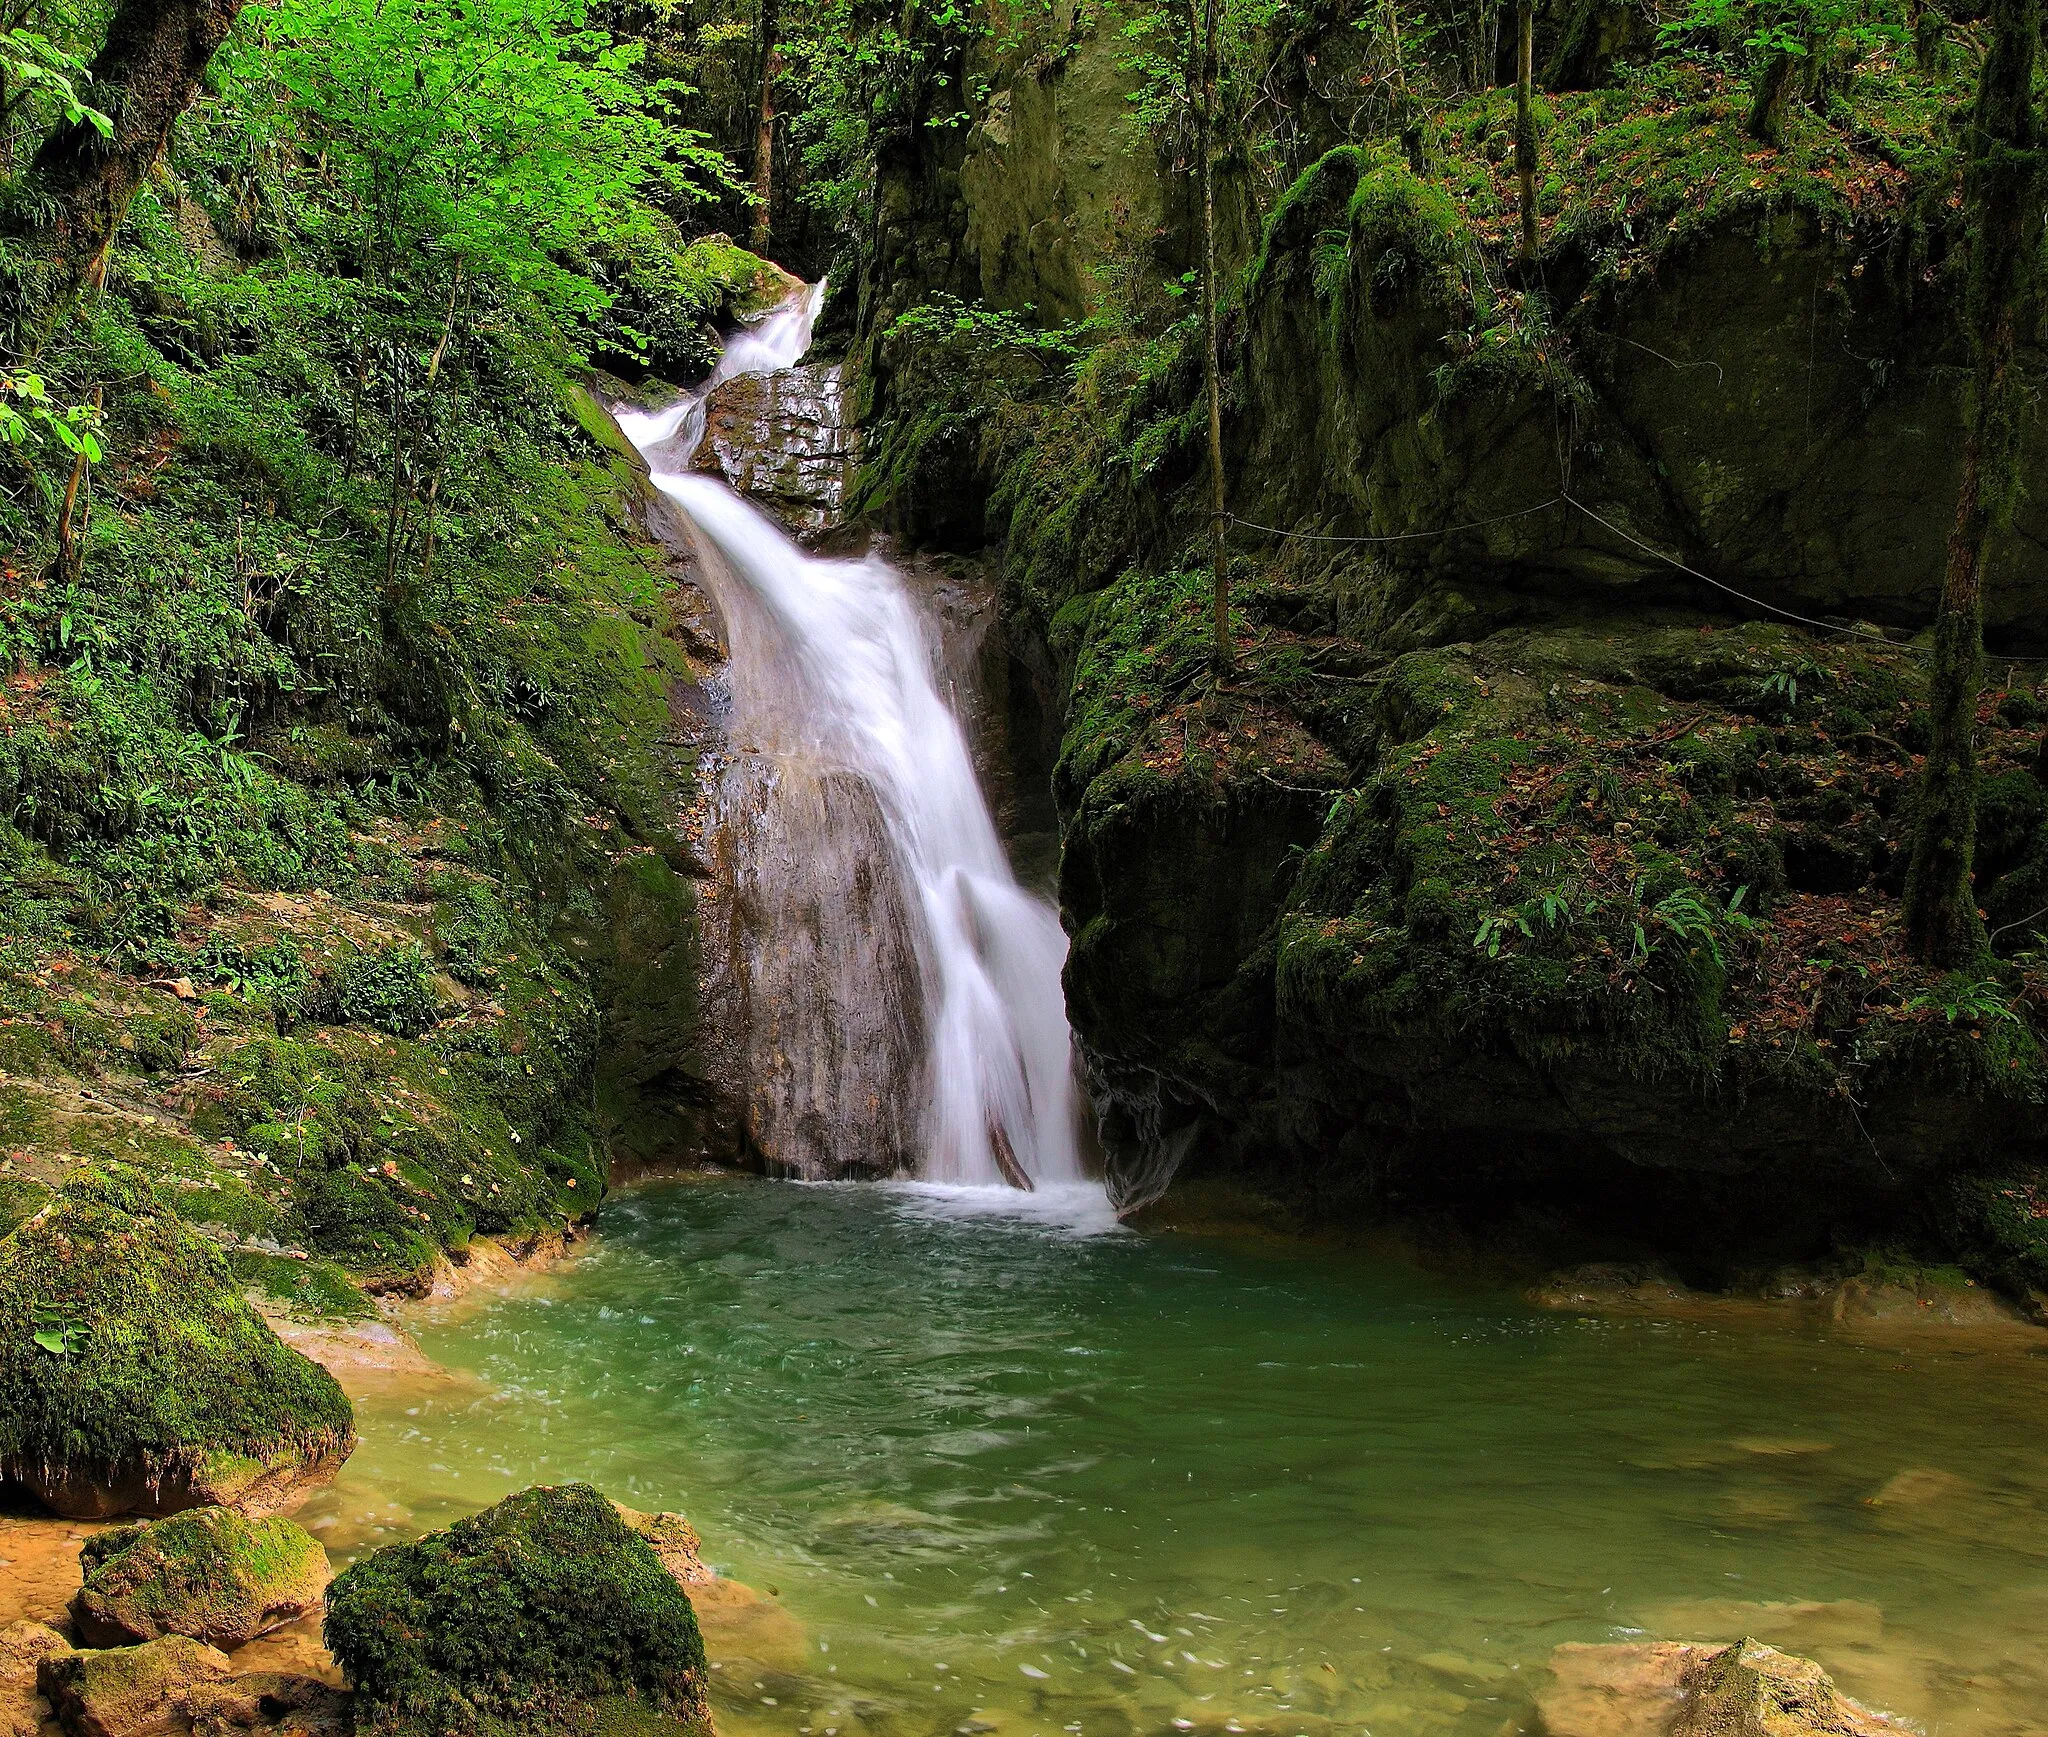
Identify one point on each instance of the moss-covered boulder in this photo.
(1680, 1689)
(1752, 1688)
(547, 1613)
(1999, 1225)
(135, 1377)
(210, 1573)
(129, 1691)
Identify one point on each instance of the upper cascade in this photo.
(900, 991)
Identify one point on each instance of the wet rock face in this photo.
(781, 440)
(816, 981)
(209, 1573)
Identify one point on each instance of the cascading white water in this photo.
(834, 686)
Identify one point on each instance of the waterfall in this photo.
(900, 989)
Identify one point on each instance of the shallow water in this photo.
(1048, 1476)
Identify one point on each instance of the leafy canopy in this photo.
(504, 137)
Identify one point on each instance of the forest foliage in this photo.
(307, 545)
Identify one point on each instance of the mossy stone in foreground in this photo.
(547, 1613)
(128, 1689)
(134, 1376)
(210, 1573)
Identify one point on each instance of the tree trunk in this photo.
(1942, 925)
(764, 137)
(1406, 116)
(1767, 104)
(1525, 121)
(144, 76)
(70, 559)
(1930, 36)
(1223, 651)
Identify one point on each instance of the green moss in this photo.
(21, 1198)
(127, 1688)
(1999, 1223)
(536, 1615)
(673, 298)
(126, 1348)
(209, 1573)
(473, 930)
(390, 1152)
(314, 1290)
(1560, 852)
(23, 1118)
(1639, 168)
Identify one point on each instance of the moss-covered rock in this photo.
(210, 1573)
(134, 1376)
(1598, 910)
(673, 298)
(1685, 1690)
(1999, 1225)
(1751, 1687)
(546, 1613)
(1707, 327)
(128, 1691)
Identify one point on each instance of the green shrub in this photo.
(389, 990)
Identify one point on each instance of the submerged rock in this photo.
(542, 1614)
(209, 1573)
(129, 1691)
(134, 1375)
(268, 1701)
(1676, 1689)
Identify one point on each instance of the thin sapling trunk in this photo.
(764, 136)
(1223, 651)
(1942, 925)
(1525, 121)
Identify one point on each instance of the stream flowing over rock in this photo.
(781, 439)
(886, 995)
(1535, 646)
